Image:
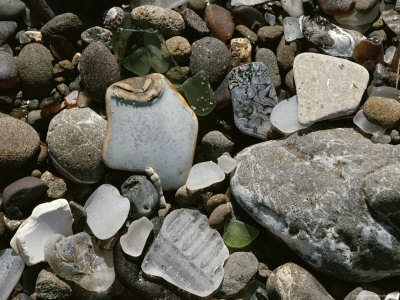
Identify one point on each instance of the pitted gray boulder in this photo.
(312, 191)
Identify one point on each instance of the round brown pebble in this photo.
(36, 173)
(384, 112)
(215, 201)
(219, 215)
(180, 49)
(270, 34)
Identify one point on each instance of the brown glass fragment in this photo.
(219, 20)
(52, 104)
(369, 52)
(395, 60)
(337, 7)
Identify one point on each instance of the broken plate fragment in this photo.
(150, 124)
(187, 253)
(46, 219)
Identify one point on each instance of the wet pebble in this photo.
(10, 10)
(67, 25)
(8, 71)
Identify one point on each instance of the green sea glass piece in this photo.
(143, 51)
(138, 62)
(238, 234)
(199, 94)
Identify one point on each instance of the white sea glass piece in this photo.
(389, 53)
(291, 29)
(46, 219)
(187, 253)
(227, 163)
(385, 92)
(203, 175)
(161, 3)
(106, 211)
(247, 2)
(133, 241)
(378, 132)
(284, 116)
(11, 268)
(293, 7)
(150, 124)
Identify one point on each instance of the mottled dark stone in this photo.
(248, 16)
(7, 29)
(195, 25)
(142, 195)
(20, 197)
(8, 70)
(68, 25)
(253, 98)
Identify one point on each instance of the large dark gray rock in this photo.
(312, 190)
(292, 282)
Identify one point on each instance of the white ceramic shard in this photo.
(106, 211)
(291, 29)
(150, 124)
(133, 241)
(284, 116)
(247, 2)
(294, 8)
(46, 219)
(378, 132)
(227, 163)
(187, 253)
(11, 268)
(161, 3)
(203, 175)
(327, 87)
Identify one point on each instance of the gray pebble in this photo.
(212, 56)
(49, 286)
(75, 141)
(11, 9)
(33, 104)
(8, 70)
(166, 20)
(247, 33)
(268, 58)
(97, 34)
(214, 144)
(285, 54)
(68, 25)
(195, 25)
(35, 70)
(365, 6)
(289, 82)
(142, 195)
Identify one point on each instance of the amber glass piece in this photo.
(395, 60)
(337, 7)
(52, 104)
(220, 21)
(369, 52)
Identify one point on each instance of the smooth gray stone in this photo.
(292, 282)
(360, 294)
(10, 9)
(75, 140)
(310, 190)
(142, 195)
(11, 268)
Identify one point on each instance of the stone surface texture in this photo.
(11, 268)
(384, 112)
(190, 250)
(321, 96)
(292, 282)
(75, 140)
(311, 191)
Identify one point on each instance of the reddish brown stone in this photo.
(220, 21)
(368, 53)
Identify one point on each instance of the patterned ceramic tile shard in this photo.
(187, 253)
(253, 98)
(150, 124)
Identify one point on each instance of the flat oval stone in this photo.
(11, 268)
(336, 8)
(7, 29)
(68, 25)
(253, 98)
(8, 71)
(220, 21)
(20, 196)
(150, 125)
(248, 16)
(10, 9)
(19, 142)
(75, 139)
(384, 112)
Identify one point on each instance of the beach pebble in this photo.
(268, 58)
(219, 215)
(8, 70)
(11, 268)
(382, 111)
(166, 20)
(11, 9)
(49, 287)
(215, 143)
(97, 34)
(179, 48)
(195, 25)
(67, 25)
(56, 186)
(19, 142)
(75, 140)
